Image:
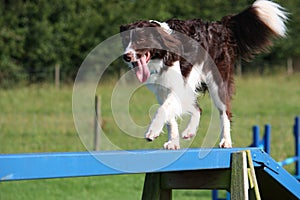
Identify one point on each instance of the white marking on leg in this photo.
(214, 91)
(167, 111)
(189, 98)
(225, 141)
(192, 127)
(167, 87)
(156, 124)
(173, 142)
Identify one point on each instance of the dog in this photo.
(175, 59)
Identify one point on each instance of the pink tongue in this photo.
(142, 72)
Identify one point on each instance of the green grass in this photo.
(39, 119)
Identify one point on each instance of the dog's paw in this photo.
(150, 135)
(172, 145)
(225, 143)
(187, 135)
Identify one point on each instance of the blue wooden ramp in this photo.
(210, 167)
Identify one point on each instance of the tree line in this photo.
(36, 35)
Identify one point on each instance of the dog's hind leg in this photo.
(220, 98)
(225, 141)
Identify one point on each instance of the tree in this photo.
(36, 35)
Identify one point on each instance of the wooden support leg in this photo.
(152, 188)
(243, 173)
(239, 177)
(158, 186)
(166, 194)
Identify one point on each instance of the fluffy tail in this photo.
(254, 28)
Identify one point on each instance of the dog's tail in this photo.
(254, 28)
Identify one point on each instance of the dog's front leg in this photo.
(193, 124)
(173, 142)
(156, 124)
(167, 112)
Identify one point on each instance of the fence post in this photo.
(239, 67)
(57, 75)
(97, 124)
(297, 145)
(290, 69)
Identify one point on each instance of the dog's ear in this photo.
(123, 28)
(172, 45)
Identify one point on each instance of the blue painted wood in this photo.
(295, 159)
(265, 142)
(256, 136)
(267, 139)
(54, 165)
(272, 168)
(288, 161)
(62, 165)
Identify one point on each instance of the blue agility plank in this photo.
(62, 165)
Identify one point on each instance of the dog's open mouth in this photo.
(140, 67)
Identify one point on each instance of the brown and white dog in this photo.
(176, 60)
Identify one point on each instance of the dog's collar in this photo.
(164, 26)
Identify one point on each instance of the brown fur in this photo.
(224, 40)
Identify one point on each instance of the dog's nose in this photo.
(128, 57)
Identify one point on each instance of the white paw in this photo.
(151, 135)
(172, 145)
(187, 134)
(225, 143)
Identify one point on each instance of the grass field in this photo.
(39, 118)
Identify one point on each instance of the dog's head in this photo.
(145, 41)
